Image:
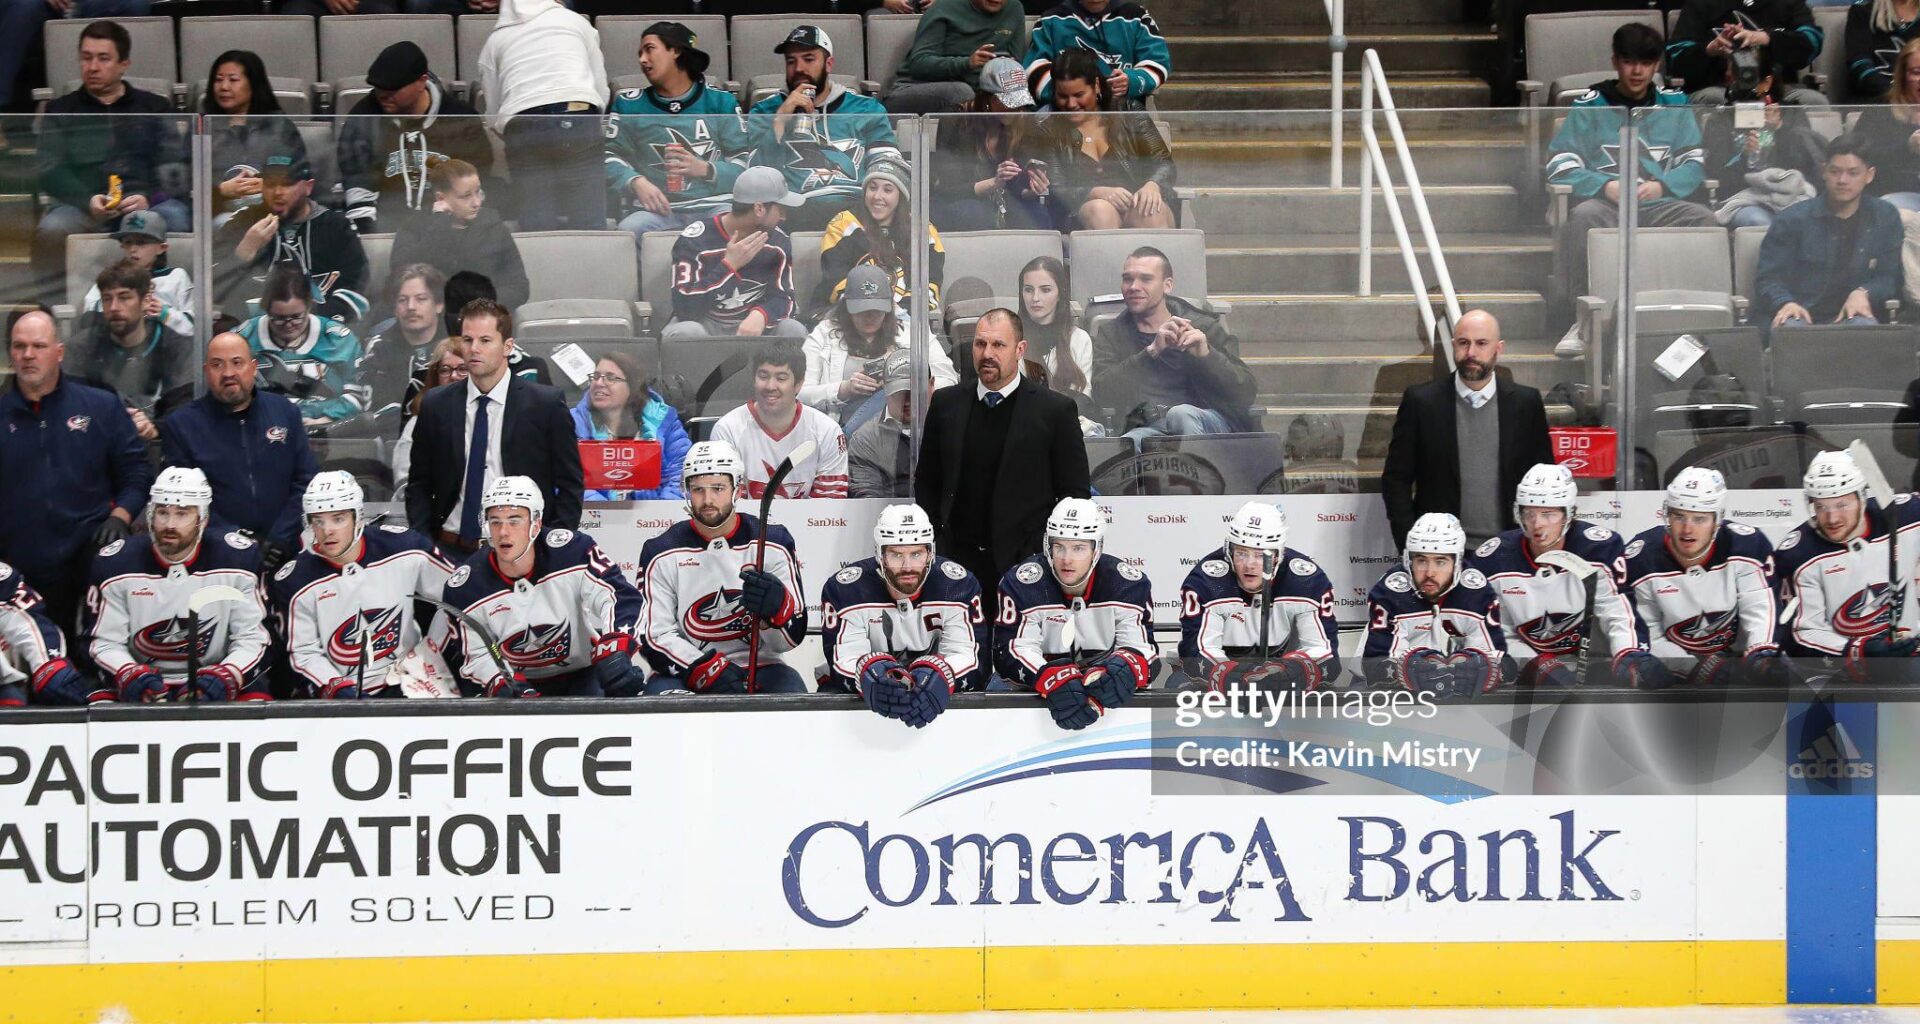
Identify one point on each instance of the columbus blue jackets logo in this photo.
(1863, 614)
(539, 646)
(166, 640)
(716, 617)
(380, 629)
(1706, 633)
(79, 423)
(1554, 634)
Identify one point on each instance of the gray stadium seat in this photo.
(707, 378)
(1568, 88)
(285, 42)
(656, 275)
(88, 255)
(806, 267)
(154, 56)
(620, 41)
(985, 265)
(1094, 259)
(1683, 279)
(1212, 463)
(318, 137)
(753, 37)
(349, 44)
(470, 33)
(1830, 65)
(1702, 396)
(1833, 374)
(889, 37)
(1746, 260)
(580, 274)
(296, 95)
(379, 249)
(1559, 45)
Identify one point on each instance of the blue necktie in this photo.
(993, 398)
(476, 476)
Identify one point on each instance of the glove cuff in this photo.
(1764, 651)
(939, 666)
(1217, 676)
(1137, 664)
(1401, 669)
(1054, 677)
(1628, 655)
(47, 670)
(334, 687)
(225, 673)
(612, 644)
(130, 672)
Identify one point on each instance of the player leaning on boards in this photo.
(1433, 626)
(545, 602)
(33, 652)
(902, 628)
(1075, 623)
(177, 614)
(1255, 611)
(345, 605)
(1703, 587)
(1833, 569)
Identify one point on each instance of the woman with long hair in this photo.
(1052, 337)
(247, 126)
(619, 405)
(978, 185)
(848, 344)
(878, 231)
(1892, 134)
(1106, 167)
(1876, 28)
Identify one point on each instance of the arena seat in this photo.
(154, 61)
(1692, 266)
(1829, 67)
(580, 274)
(1212, 463)
(1746, 259)
(656, 276)
(889, 38)
(348, 45)
(1562, 45)
(286, 43)
(1115, 466)
(1095, 257)
(806, 267)
(753, 37)
(646, 350)
(367, 458)
(706, 378)
(1830, 374)
(470, 33)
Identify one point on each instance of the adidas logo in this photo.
(1832, 756)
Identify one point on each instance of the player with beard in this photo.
(1433, 626)
(137, 615)
(821, 135)
(1835, 566)
(903, 628)
(346, 605)
(704, 596)
(1221, 635)
(1703, 586)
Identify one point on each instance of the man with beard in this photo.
(1834, 570)
(1166, 366)
(312, 359)
(141, 629)
(1433, 625)
(1223, 639)
(130, 350)
(562, 612)
(250, 444)
(1462, 442)
(400, 346)
(289, 228)
(820, 135)
(710, 584)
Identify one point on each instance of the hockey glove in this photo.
(216, 683)
(930, 696)
(1712, 670)
(12, 696)
(56, 681)
(514, 687)
(139, 684)
(1113, 682)
(1642, 671)
(764, 595)
(884, 685)
(613, 665)
(1422, 670)
(1064, 689)
(715, 674)
(1549, 670)
(339, 688)
(272, 556)
(1767, 666)
(111, 529)
(1472, 673)
(1291, 671)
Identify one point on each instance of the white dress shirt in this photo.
(980, 389)
(1475, 399)
(496, 425)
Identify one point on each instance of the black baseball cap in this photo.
(807, 37)
(398, 66)
(693, 60)
(292, 167)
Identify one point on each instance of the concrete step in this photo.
(1248, 162)
(1309, 91)
(1324, 264)
(1402, 48)
(1276, 324)
(1285, 210)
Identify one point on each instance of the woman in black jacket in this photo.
(247, 127)
(977, 184)
(1103, 168)
(1891, 133)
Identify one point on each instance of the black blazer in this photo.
(537, 441)
(1044, 460)
(1422, 473)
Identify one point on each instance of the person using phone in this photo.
(1118, 29)
(1707, 33)
(978, 184)
(956, 38)
(1102, 167)
(855, 335)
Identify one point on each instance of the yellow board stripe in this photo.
(1898, 977)
(467, 988)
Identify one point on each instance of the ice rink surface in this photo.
(1595, 1015)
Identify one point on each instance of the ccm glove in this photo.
(715, 674)
(216, 683)
(1064, 689)
(613, 665)
(1642, 671)
(929, 696)
(1113, 682)
(884, 685)
(764, 595)
(56, 681)
(139, 684)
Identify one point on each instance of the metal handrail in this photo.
(1373, 80)
(1337, 50)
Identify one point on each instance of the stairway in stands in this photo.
(1283, 247)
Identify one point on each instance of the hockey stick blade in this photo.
(1877, 487)
(487, 639)
(1567, 561)
(1882, 493)
(207, 597)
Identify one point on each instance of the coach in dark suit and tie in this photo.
(494, 425)
(999, 452)
(1462, 442)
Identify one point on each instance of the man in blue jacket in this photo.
(1834, 258)
(252, 446)
(74, 469)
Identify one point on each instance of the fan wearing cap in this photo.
(733, 272)
(954, 40)
(820, 134)
(289, 228)
(143, 240)
(1222, 638)
(979, 184)
(1433, 626)
(399, 132)
(137, 613)
(1833, 569)
(1122, 33)
(1703, 587)
(880, 451)
(857, 334)
(130, 349)
(879, 231)
(675, 147)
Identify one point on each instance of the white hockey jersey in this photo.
(330, 614)
(822, 475)
(692, 595)
(549, 621)
(1842, 588)
(137, 607)
(860, 617)
(1544, 610)
(1116, 612)
(1722, 606)
(28, 639)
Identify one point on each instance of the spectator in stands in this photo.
(99, 169)
(1462, 442)
(671, 147)
(290, 229)
(1102, 169)
(1877, 30)
(998, 454)
(818, 133)
(879, 232)
(767, 429)
(252, 446)
(955, 39)
(465, 287)
(978, 185)
(1834, 258)
(312, 359)
(448, 365)
(128, 348)
(1052, 337)
(1891, 133)
(403, 344)
(460, 439)
(880, 451)
(1583, 156)
(1708, 32)
(23, 21)
(545, 81)
(317, 8)
(247, 125)
(847, 346)
(1166, 366)
(463, 233)
(620, 404)
(398, 133)
(1765, 166)
(143, 241)
(733, 273)
(1121, 33)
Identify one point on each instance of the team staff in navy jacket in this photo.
(252, 446)
(75, 471)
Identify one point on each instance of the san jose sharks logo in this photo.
(822, 160)
(1661, 156)
(539, 646)
(1554, 634)
(700, 145)
(716, 617)
(166, 640)
(380, 627)
(1705, 633)
(1863, 614)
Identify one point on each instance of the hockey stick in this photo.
(1589, 576)
(360, 669)
(202, 599)
(1881, 492)
(800, 454)
(488, 640)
